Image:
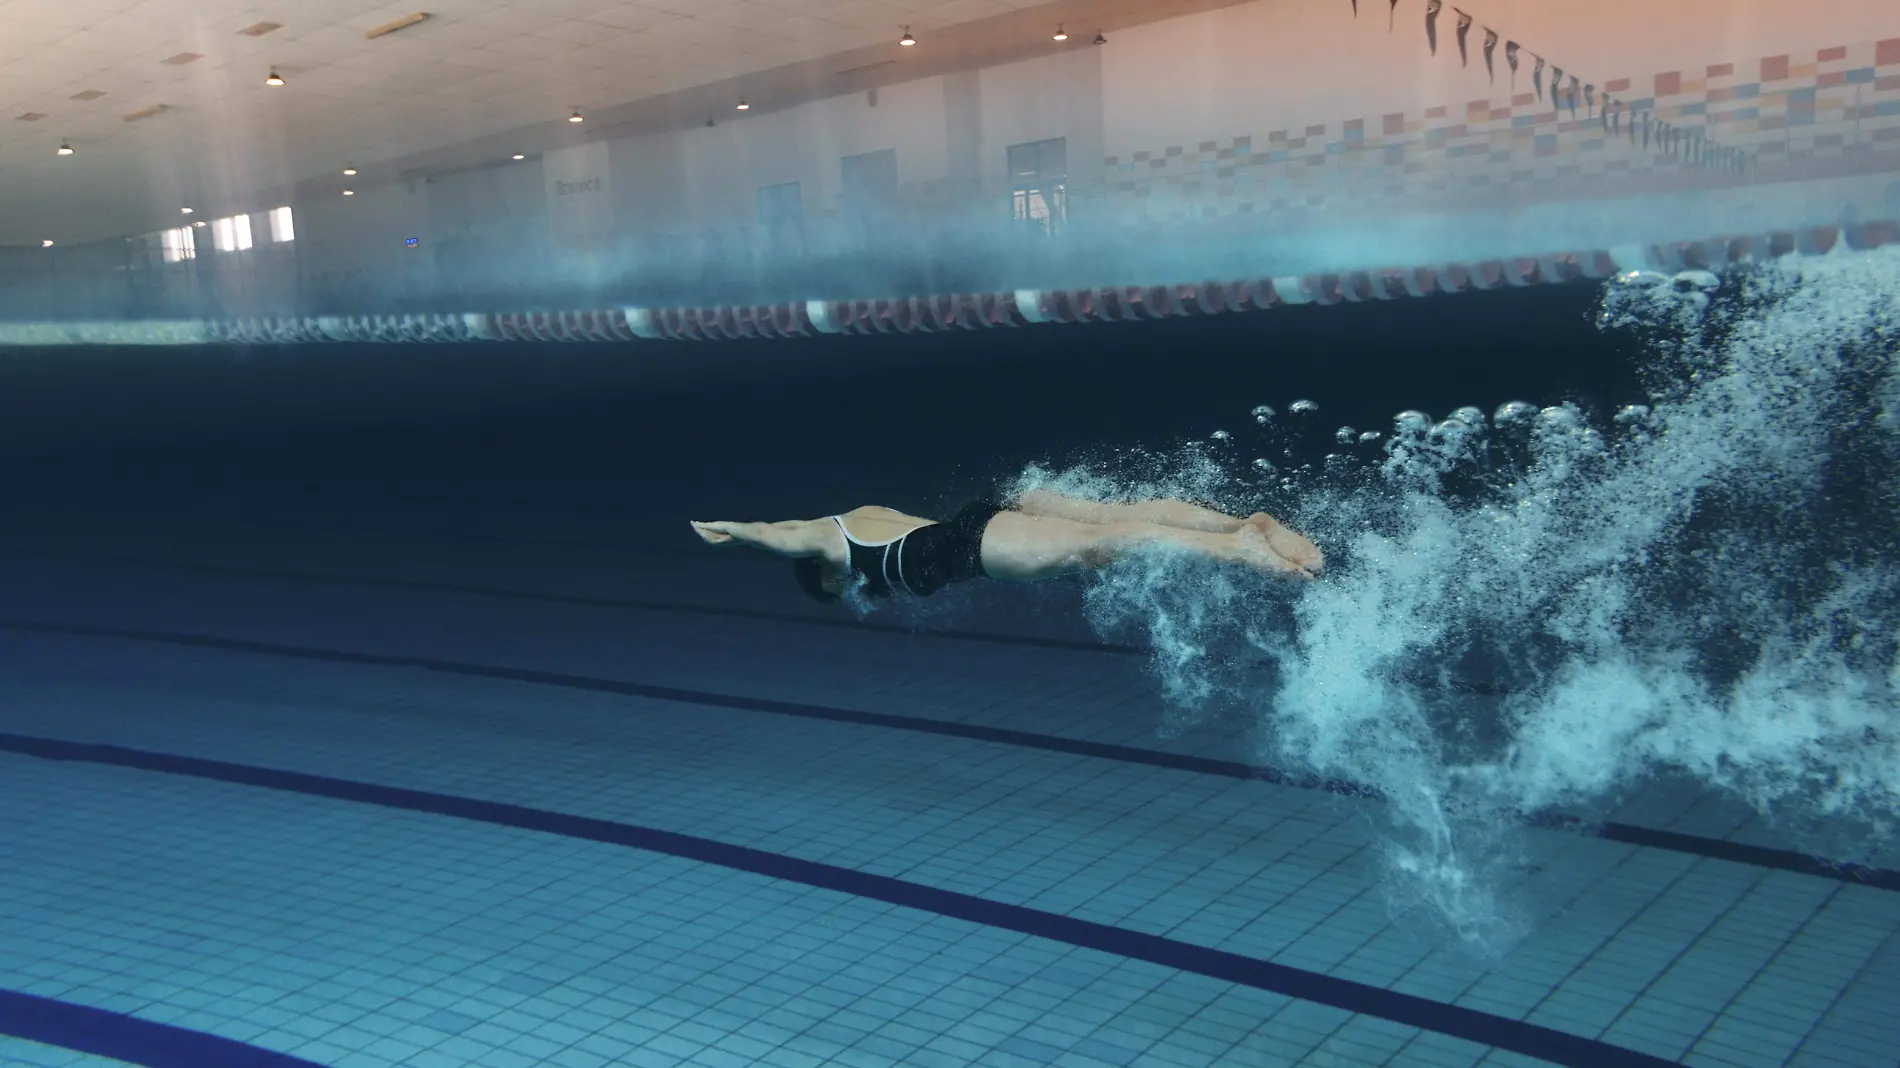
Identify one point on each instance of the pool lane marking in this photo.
(581, 600)
(1627, 834)
(102, 1033)
(1410, 1010)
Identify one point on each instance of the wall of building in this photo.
(1339, 131)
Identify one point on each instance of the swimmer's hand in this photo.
(1287, 544)
(712, 533)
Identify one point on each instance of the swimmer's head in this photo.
(809, 573)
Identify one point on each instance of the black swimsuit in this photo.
(925, 558)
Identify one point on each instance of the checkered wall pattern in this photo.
(1835, 103)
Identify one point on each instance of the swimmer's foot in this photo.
(1254, 550)
(1288, 544)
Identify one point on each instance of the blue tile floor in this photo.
(288, 845)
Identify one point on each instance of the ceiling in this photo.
(477, 72)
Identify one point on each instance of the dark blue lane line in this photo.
(83, 1029)
(1471, 1025)
(676, 607)
(1629, 834)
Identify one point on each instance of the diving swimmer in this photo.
(1039, 535)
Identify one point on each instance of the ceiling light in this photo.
(274, 79)
(184, 211)
(576, 117)
(1099, 38)
(349, 192)
(47, 243)
(743, 106)
(347, 171)
(519, 156)
(1061, 34)
(198, 222)
(64, 149)
(907, 40)
(403, 23)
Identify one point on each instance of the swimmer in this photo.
(1040, 535)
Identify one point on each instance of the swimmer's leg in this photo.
(1164, 512)
(1023, 548)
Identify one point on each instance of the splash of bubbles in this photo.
(1708, 585)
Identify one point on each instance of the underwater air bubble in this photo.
(1513, 412)
(1262, 414)
(1261, 463)
(1697, 280)
(1345, 435)
(1634, 413)
(1411, 422)
(1471, 417)
(1221, 435)
(1302, 407)
(1369, 437)
(1640, 279)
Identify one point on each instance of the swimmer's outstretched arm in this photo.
(794, 537)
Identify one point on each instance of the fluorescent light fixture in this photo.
(349, 192)
(184, 211)
(349, 171)
(64, 149)
(743, 106)
(403, 23)
(519, 156)
(47, 243)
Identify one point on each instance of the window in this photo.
(1039, 184)
(176, 245)
(282, 229)
(231, 234)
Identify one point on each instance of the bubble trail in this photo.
(1538, 613)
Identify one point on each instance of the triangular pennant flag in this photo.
(1537, 75)
(1464, 31)
(1432, 8)
(1490, 48)
(1510, 58)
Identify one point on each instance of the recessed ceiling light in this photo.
(274, 79)
(184, 211)
(349, 192)
(743, 106)
(576, 117)
(1061, 34)
(907, 40)
(65, 149)
(520, 156)
(349, 170)
(47, 243)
